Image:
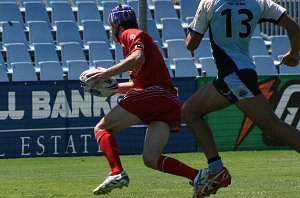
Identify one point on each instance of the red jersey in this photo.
(154, 70)
(154, 98)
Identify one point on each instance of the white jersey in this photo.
(231, 24)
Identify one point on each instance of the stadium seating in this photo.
(43, 26)
(3, 74)
(50, 70)
(40, 32)
(45, 52)
(203, 50)
(87, 10)
(61, 11)
(103, 63)
(185, 67)
(99, 51)
(264, 65)
(177, 49)
(23, 71)
(10, 11)
(171, 29)
(93, 30)
(16, 52)
(75, 68)
(208, 67)
(48, 2)
(187, 9)
(118, 53)
(160, 47)
(36, 11)
(71, 51)
(257, 47)
(135, 6)
(153, 31)
(22, 2)
(279, 46)
(13, 32)
(163, 9)
(67, 31)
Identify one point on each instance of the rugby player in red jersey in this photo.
(149, 97)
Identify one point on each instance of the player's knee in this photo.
(99, 126)
(189, 113)
(150, 161)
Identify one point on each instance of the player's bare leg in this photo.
(259, 110)
(116, 120)
(195, 108)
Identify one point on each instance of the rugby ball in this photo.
(102, 89)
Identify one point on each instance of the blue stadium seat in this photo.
(153, 31)
(135, 6)
(103, 63)
(99, 51)
(187, 8)
(160, 47)
(75, 68)
(16, 52)
(61, 11)
(208, 67)
(264, 65)
(40, 32)
(203, 50)
(13, 32)
(23, 71)
(67, 31)
(36, 11)
(280, 45)
(48, 2)
(3, 74)
(172, 29)
(257, 47)
(118, 53)
(51, 70)
(176, 49)
(163, 9)
(71, 51)
(22, 2)
(87, 10)
(185, 67)
(45, 52)
(11, 12)
(93, 30)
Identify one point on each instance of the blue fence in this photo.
(57, 119)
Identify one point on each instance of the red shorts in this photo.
(154, 104)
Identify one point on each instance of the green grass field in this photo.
(255, 174)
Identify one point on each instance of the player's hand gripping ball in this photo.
(102, 89)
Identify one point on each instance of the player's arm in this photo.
(134, 60)
(193, 39)
(292, 57)
(125, 86)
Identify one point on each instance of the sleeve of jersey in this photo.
(272, 12)
(136, 43)
(202, 18)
